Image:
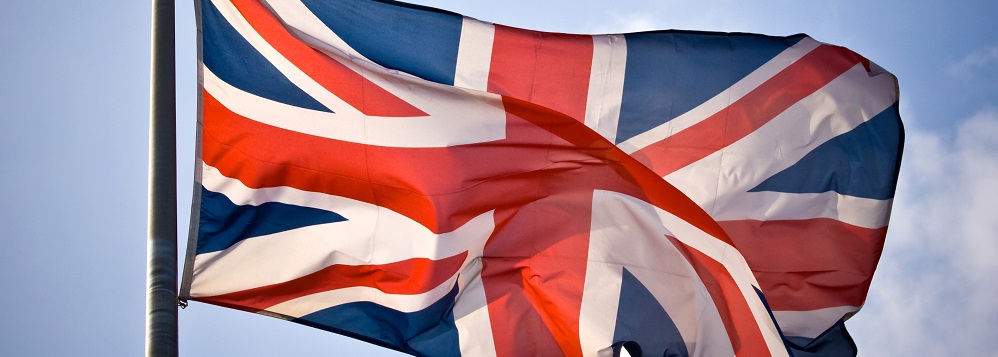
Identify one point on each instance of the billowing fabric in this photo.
(444, 186)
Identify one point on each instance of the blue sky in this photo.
(74, 88)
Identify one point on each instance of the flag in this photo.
(440, 185)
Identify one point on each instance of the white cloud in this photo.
(626, 23)
(972, 63)
(935, 291)
(722, 16)
(636, 22)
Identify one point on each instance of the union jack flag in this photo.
(440, 185)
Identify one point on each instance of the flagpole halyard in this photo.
(161, 281)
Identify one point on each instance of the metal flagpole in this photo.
(161, 281)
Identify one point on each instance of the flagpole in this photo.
(161, 281)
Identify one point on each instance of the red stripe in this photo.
(407, 277)
(534, 270)
(755, 109)
(551, 71)
(809, 264)
(547, 69)
(743, 330)
(346, 84)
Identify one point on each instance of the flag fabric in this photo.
(440, 185)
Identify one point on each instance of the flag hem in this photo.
(188, 268)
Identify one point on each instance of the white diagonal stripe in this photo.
(319, 301)
(616, 207)
(456, 116)
(370, 235)
(295, 75)
(719, 181)
(304, 24)
(429, 131)
(722, 100)
(811, 323)
(770, 206)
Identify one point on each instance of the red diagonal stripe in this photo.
(407, 277)
(755, 109)
(743, 330)
(346, 84)
(809, 264)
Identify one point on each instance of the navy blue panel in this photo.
(862, 163)
(235, 61)
(670, 72)
(835, 342)
(641, 319)
(223, 223)
(411, 39)
(427, 332)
